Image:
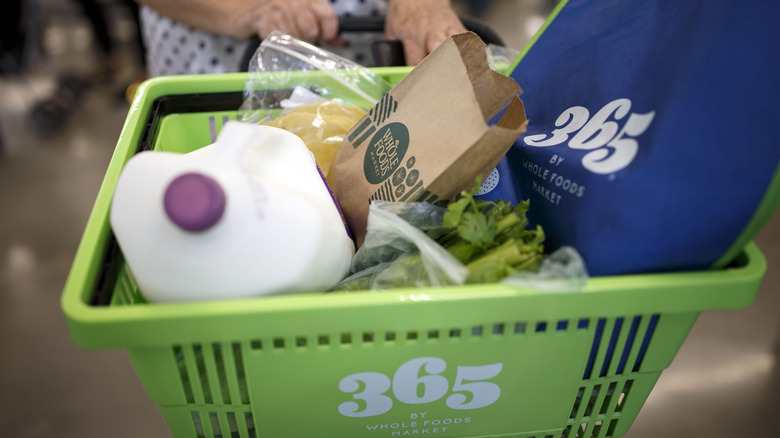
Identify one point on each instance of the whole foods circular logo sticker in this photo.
(385, 152)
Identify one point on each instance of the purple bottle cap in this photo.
(194, 201)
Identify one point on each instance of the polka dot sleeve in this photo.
(175, 49)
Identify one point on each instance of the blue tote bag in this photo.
(652, 142)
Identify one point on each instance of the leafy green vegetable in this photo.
(491, 238)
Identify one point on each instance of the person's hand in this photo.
(421, 25)
(314, 21)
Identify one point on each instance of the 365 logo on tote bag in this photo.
(609, 135)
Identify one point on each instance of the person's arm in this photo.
(309, 20)
(421, 25)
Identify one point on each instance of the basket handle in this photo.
(386, 53)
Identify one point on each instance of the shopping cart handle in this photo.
(386, 53)
(362, 24)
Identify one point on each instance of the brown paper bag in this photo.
(428, 139)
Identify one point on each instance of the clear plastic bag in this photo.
(283, 63)
(562, 271)
(397, 253)
(311, 92)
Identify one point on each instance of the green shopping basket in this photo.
(470, 361)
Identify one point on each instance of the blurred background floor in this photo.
(723, 383)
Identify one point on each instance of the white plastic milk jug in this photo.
(246, 216)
